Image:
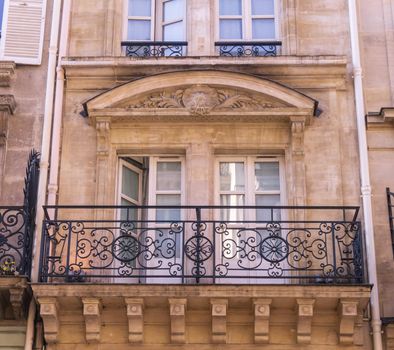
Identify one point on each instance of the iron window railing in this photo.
(17, 226)
(248, 48)
(204, 244)
(390, 205)
(155, 48)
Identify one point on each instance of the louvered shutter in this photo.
(23, 31)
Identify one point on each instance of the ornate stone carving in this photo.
(219, 320)
(347, 310)
(178, 325)
(103, 137)
(7, 70)
(7, 107)
(92, 314)
(49, 314)
(135, 315)
(261, 320)
(304, 321)
(202, 99)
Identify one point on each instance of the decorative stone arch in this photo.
(203, 96)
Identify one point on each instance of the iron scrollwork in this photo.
(155, 48)
(248, 48)
(208, 250)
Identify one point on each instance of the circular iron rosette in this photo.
(198, 248)
(125, 248)
(274, 249)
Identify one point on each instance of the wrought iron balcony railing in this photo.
(155, 48)
(201, 245)
(17, 226)
(248, 48)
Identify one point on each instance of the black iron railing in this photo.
(203, 245)
(248, 48)
(17, 226)
(155, 48)
(390, 196)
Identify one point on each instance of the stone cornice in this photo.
(384, 118)
(319, 72)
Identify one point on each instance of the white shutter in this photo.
(23, 31)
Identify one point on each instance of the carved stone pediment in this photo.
(203, 99)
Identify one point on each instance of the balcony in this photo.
(248, 48)
(147, 49)
(204, 245)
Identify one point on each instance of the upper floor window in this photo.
(248, 20)
(156, 20)
(22, 30)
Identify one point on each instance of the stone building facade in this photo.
(204, 177)
(24, 47)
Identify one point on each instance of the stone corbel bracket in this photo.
(18, 301)
(49, 313)
(7, 70)
(262, 311)
(219, 320)
(304, 320)
(178, 324)
(135, 315)
(92, 313)
(7, 108)
(347, 312)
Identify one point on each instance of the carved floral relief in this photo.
(202, 99)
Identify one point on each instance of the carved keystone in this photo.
(219, 320)
(177, 314)
(304, 321)
(92, 313)
(347, 311)
(135, 315)
(261, 320)
(49, 314)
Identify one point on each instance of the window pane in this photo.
(172, 214)
(232, 214)
(139, 7)
(266, 176)
(130, 183)
(230, 29)
(267, 200)
(173, 32)
(263, 7)
(263, 28)
(173, 10)
(230, 7)
(138, 30)
(1, 14)
(128, 214)
(232, 176)
(168, 176)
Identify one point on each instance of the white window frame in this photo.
(247, 18)
(250, 193)
(156, 19)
